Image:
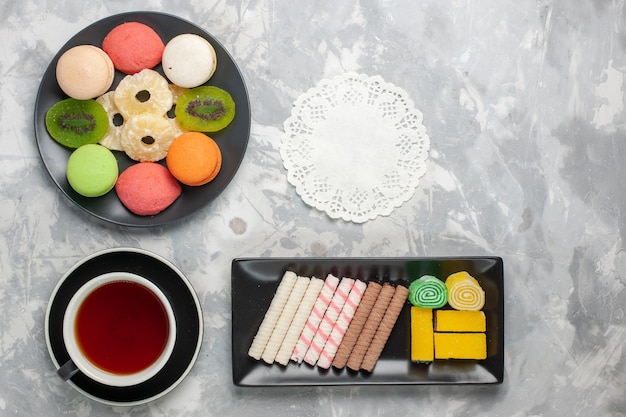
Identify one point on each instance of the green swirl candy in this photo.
(428, 292)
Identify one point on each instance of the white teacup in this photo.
(112, 336)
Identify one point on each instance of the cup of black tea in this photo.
(119, 329)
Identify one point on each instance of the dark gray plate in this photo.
(176, 288)
(254, 282)
(232, 140)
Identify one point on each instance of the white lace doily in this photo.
(355, 147)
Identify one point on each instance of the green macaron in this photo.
(92, 170)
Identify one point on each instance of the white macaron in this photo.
(188, 60)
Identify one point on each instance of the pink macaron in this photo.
(133, 46)
(147, 188)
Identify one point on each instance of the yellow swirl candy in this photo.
(464, 292)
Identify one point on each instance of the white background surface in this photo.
(523, 102)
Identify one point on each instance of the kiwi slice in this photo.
(205, 109)
(74, 123)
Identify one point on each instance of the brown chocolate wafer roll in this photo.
(384, 329)
(370, 327)
(356, 325)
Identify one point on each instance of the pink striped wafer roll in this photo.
(319, 308)
(328, 321)
(340, 327)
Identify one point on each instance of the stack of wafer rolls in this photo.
(299, 320)
(341, 325)
(316, 315)
(335, 321)
(272, 315)
(358, 321)
(398, 299)
(328, 321)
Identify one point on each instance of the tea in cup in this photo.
(119, 329)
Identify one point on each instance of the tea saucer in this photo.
(176, 288)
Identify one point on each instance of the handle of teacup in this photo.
(68, 370)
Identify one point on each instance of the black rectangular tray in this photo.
(254, 282)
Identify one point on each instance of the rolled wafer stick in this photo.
(356, 325)
(272, 314)
(370, 327)
(285, 319)
(299, 320)
(312, 323)
(341, 325)
(328, 321)
(384, 328)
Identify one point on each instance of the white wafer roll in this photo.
(327, 323)
(284, 321)
(272, 314)
(299, 320)
(340, 327)
(319, 308)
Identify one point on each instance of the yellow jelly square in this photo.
(460, 321)
(422, 348)
(460, 346)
